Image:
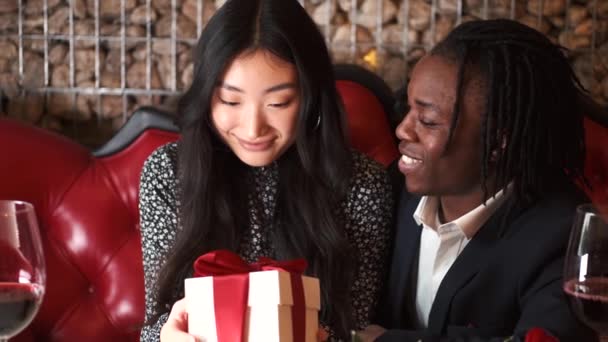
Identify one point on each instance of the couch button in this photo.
(91, 289)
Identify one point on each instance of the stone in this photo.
(495, 8)
(145, 100)
(35, 45)
(443, 25)
(602, 56)
(26, 107)
(342, 36)
(140, 15)
(60, 76)
(419, 17)
(84, 59)
(165, 47)
(602, 8)
(140, 53)
(323, 13)
(187, 76)
(532, 21)
(393, 37)
(110, 9)
(347, 5)
(84, 27)
(8, 49)
(111, 106)
(163, 6)
(58, 21)
(33, 69)
(585, 28)
(167, 72)
(550, 7)
(136, 76)
(84, 107)
(110, 79)
(36, 6)
(368, 13)
(184, 59)
(185, 27)
(60, 105)
(340, 18)
(191, 11)
(80, 8)
(114, 60)
(9, 84)
(572, 41)
(135, 31)
(394, 72)
(51, 123)
(84, 77)
(605, 88)
(576, 14)
(111, 29)
(557, 21)
(58, 53)
(448, 6)
(5, 65)
(8, 6)
(8, 23)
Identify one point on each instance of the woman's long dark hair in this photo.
(532, 130)
(313, 173)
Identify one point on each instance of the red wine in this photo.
(18, 304)
(589, 300)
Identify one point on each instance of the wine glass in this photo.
(586, 268)
(22, 269)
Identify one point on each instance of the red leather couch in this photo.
(87, 205)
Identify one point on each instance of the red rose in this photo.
(540, 335)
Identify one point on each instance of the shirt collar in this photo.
(469, 223)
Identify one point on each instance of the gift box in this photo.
(229, 300)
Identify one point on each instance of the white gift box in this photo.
(268, 317)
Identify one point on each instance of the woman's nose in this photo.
(255, 123)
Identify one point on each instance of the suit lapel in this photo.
(403, 264)
(464, 268)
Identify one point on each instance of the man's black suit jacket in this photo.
(508, 279)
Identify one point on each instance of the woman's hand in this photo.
(370, 333)
(322, 334)
(176, 327)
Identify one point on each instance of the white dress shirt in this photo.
(440, 245)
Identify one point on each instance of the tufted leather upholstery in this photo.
(596, 163)
(87, 207)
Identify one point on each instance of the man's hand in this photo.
(370, 333)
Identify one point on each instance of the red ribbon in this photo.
(231, 289)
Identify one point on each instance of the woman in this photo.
(263, 168)
(491, 145)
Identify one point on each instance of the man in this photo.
(490, 147)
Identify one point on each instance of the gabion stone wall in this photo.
(81, 67)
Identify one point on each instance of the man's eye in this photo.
(229, 103)
(428, 123)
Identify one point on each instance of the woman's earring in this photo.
(318, 121)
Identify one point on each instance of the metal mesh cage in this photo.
(82, 66)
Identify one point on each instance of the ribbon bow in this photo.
(231, 289)
(224, 262)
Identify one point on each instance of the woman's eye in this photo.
(280, 104)
(228, 103)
